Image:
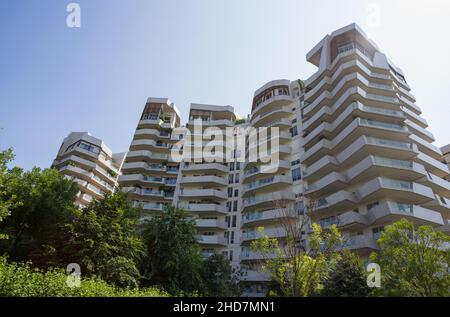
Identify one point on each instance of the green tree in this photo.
(219, 278)
(7, 201)
(298, 271)
(414, 261)
(347, 278)
(22, 280)
(298, 263)
(46, 200)
(173, 259)
(103, 240)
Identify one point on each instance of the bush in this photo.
(20, 280)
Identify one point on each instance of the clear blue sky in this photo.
(54, 80)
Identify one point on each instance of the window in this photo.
(238, 166)
(299, 207)
(296, 162)
(232, 237)
(230, 192)
(231, 255)
(294, 131)
(377, 232)
(229, 206)
(231, 166)
(236, 192)
(372, 205)
(234, 222)
(89, 147)
(235, 205)
(236, 180)
(227, 220)
(230, 178)
(296, 174)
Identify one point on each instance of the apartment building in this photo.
(209, 184)
(89, 162)
(350, 141)
(368, 157)
(149, 173)
(272, 192)
(446, 156)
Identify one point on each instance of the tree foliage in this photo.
(21, 280)
(347, 278)
(414, 261)
(7, 200)
(102, 238)
(43, 201)
(296, 270)
(220, 279)
(175, 263)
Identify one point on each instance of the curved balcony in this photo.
(248, 255)
(212, 224)
(352, 66)
(354, 88)
(350, 56)
(327, 114)
(267, 184)
(439, 204)
(414, 117)
(155, 123)
(266, 217)
(263, 118)
(206, 167)
(267, 200)
(358, 127)
(432, 165)
(276, 101)
(143, 144)
(320, 168)
(151, 133)
(388, 212)
(426, 147)
(203, 194)
(419, 131)
(328, 206)
(204, 180)
(211, 123)
(396, 189)
(133, 167)
(250, 235)
(410, 105)
(373, 166)
(255, 276)
(362, 244)
(372, 114)
(205, 208)
(332, 182)
(439, 185)
(266, 169)
(206, 240)
(143, 155)
(365, 145)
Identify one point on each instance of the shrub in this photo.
(20, 280)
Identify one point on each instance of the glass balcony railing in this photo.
(393, 143)
(260, 182)
(396, 183)
(392, 162)
(382, 111)
(382, 124)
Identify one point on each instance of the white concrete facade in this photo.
(89, 162)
